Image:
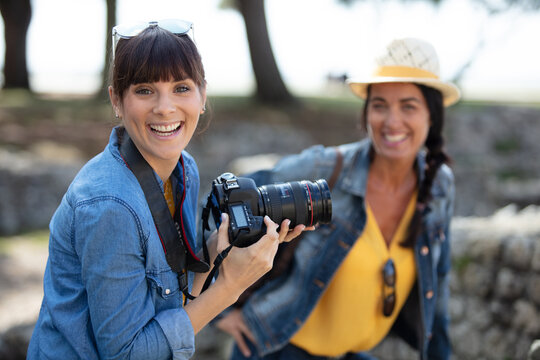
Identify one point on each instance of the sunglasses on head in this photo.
(127, 31)
(389, 282)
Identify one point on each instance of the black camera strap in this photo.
(222, 255)
(178, 252)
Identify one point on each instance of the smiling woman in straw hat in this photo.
(382, 265)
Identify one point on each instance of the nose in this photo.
(164, 105)
(393, 117)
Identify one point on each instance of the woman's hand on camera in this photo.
(239, 269)
(243, 266)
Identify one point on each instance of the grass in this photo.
(513, 174)
(507, 146)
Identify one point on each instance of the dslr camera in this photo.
(302, 202)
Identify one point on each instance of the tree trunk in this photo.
(111, 21)
(270, 86)
(17, 15)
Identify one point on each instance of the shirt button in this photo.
(424, 251)
(429, 294)
(167, 291)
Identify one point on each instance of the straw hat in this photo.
(407, 60)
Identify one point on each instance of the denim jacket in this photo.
(278, 309)
(109, 292)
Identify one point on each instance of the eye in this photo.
(143, 90)
(378, 105)
(182, 88)
(409, 107)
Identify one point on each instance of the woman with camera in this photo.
(120, 279)
(382, 264)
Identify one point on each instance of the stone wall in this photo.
(32, 184)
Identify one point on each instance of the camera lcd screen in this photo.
(239, 216)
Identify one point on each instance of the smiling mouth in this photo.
(166, 130)
(395, 138)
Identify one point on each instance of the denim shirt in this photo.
(278, 309)
(109, 292)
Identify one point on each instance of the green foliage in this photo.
(507, 146)
(460, 264)
(227, 4)
(512, 174)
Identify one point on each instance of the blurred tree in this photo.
(16, 15)
(271, 88)
(111, 21)
(493, 8)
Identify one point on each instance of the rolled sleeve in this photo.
(181, 338)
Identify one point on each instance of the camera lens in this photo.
(302, 202)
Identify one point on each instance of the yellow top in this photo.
(349, 316)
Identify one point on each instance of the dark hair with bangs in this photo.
(155, 55)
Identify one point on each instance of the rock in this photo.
(495, 342)
(533, 289)
(509, 285)
(536, 255)
(518, 252)
(501, 313)
(468, 341)
(526, 317)
(14, 342)
(534, 351)
(478, 279)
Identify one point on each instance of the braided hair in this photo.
(435, 157)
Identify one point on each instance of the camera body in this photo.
(303, 202)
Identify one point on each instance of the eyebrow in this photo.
(415, 99)
(412, 98)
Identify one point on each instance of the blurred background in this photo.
(276, 74)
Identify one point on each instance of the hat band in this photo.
(404, 72)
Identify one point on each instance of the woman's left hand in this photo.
(285, 235)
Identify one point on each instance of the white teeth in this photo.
(165, 128)
(395, 138)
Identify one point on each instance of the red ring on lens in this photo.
(310, 203)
